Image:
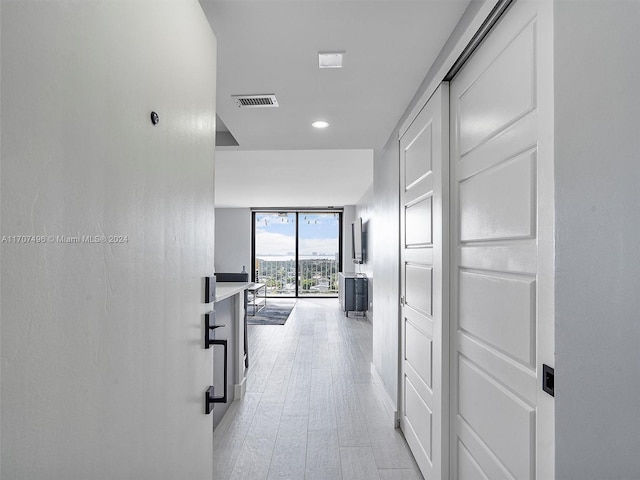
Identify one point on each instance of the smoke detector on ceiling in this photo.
(256, 101)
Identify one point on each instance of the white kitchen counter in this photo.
(228, 289)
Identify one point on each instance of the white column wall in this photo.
(233, 240)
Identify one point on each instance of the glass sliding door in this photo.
(275, 252)
(297, 253)
(318, 253)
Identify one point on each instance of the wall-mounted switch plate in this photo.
(209, 289)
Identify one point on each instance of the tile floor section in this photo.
(311, 411)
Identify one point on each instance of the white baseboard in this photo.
(240, 389)
(389, 405)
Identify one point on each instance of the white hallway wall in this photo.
(386, 261)
(597, 73)
(103, 370)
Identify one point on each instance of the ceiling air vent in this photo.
(256, 101)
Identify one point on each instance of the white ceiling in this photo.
(271, 47)
(292, 178)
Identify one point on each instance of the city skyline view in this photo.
(316, 270)
(275, 234)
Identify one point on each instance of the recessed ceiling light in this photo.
(330, 59)
(320, 124)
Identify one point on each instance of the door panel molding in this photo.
(501, 172)
(424, 151)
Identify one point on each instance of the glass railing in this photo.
(318, 276)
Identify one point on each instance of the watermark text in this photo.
(63, 239)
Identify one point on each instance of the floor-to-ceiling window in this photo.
(318, 253)
(274, 252)
(297, 253)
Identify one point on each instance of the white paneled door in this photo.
(424, 156)
(501, 252)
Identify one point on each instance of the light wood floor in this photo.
(311, 409)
